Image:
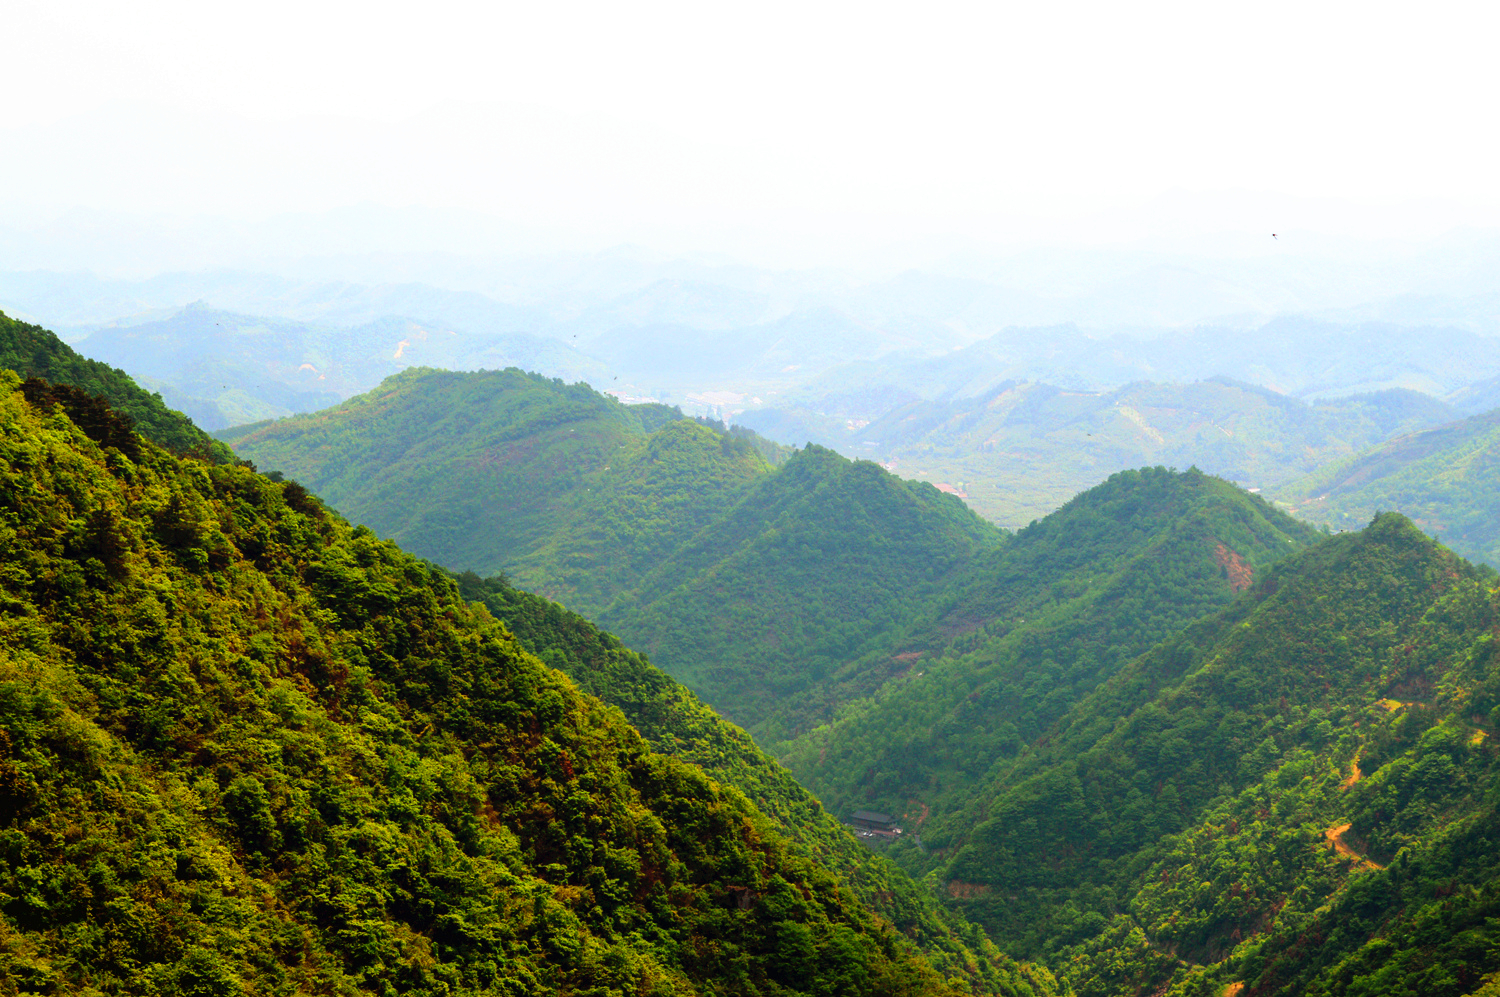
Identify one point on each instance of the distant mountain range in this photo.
(1022, 449)
(226, 369)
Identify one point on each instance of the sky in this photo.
(771, 126)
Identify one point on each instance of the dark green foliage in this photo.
(1032, 628)
(268, 753)
(1220, 811)
(810, 566)
(36, 353)
(675, 722)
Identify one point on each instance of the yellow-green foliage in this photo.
(36, 352)
(245, 748)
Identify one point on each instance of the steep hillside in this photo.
(1295, 796)
(748, 582)
(246, 748)
(1035, 626)
(810, 567)
(34, 352)
(1018, 450)
(1446, 479)
(677, 723)
(485, 471)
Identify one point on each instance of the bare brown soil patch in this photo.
(1354, 775)
(1240, 573)
(959, 890)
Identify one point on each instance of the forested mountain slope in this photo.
(812, 566)
(1297, 795)
(498, 470)
(1446, 479)
(1034, 627)
(34, 352)
(748, 582)
(675, 722)
(247, 748)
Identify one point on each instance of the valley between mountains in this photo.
(583, 703)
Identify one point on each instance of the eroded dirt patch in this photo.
(959, 890)
(1239, 571)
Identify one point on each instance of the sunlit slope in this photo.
(753, 584)
(32, 351)
(246, 748)
(1446, 479)
(1298, 793)
(675, 722)
(1035, 626)
(812, 566)
(493, 470)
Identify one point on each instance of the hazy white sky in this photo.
(698, 120)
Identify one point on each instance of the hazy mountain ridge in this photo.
(674, 328)
(1021, 449)
(237, 369)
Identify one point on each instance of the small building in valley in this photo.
(871, 822)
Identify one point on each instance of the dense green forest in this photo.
(812, 566)
(1166, 740)
(1445, 479)
(1297, 795)
(34, 352)
(642, 520)
(246, 748)
(1029, 630)
(675, 722)
(492, 471)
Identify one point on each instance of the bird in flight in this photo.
(1273, 235)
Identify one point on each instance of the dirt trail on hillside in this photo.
(1354, 776)
(1335, 836)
